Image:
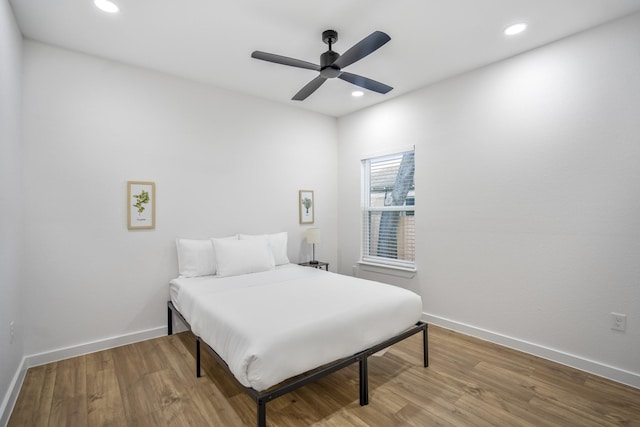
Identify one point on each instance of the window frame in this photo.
(366, 209)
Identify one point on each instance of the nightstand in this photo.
(320, 265)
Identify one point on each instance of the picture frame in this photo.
(306, 206)
(141, 205)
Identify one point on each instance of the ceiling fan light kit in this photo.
(332, 63)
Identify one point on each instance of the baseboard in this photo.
(10, 398)
(93, 346)
(615, 374)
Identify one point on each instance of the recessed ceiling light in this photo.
(106, 6)
(514, 29)
(357, 93)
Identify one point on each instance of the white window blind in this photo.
(388, 235)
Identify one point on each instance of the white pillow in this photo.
(235, 257)
(277, 243)
(234, 237)
(195, 258)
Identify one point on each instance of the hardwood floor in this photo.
(469, 383)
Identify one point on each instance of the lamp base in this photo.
(313, 262)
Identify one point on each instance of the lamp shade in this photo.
(313, 235)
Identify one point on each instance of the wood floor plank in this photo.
(69, 401)
(33, 405)
(213, 406)
(179, 360)
(342, 419)
(99, 360)
(104, 401)
(411, 415)
(70, 379)
(469, 382)
(71, 411)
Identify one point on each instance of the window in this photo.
(388, 235)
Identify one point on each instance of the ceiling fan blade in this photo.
(363, 48)
(284, 60)
(309, 88)
(365, 82)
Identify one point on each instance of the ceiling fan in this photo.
(332, 63)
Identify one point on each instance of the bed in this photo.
(278, 329)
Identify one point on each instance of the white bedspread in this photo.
(274, 325)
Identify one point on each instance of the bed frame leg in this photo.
(262, 413)
(169, 321)
(425, 344)
(198, 374)
(364, 381)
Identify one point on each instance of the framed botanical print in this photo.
(141, 205)
(306, 206)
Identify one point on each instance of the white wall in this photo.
(223, 163)
(11, 224)
(528, 198)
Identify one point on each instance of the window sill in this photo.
(391, 270)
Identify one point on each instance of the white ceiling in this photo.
(211, 41)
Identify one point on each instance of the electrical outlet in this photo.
(12, 328)
(618, 321)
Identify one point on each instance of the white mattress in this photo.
(274, 325)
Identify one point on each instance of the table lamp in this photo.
(313, 237)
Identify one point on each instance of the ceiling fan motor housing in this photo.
(327, 69)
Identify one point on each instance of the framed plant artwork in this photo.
(306, 206)
(141, 205)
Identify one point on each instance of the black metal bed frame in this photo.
(261, 398)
